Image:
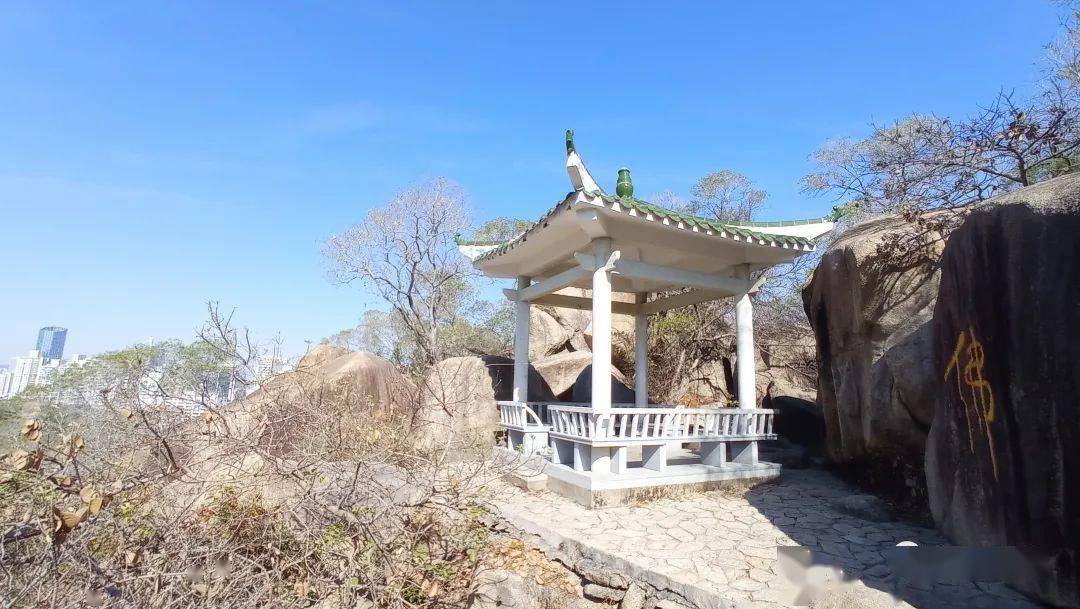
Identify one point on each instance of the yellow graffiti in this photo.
(975, 392)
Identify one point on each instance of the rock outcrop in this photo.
(307, 411)
(546, 334)
(562, 370)
(870, 310)
(327, 382)
(621, 392)
(1002, 465)
(459, 395)
(782, 369)
(319, 355)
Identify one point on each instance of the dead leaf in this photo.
(129, 414)
(88, 493)
(31, 430)
(130, 557)
(302, 588)
(208, 417)
(20, 460)
(65, 520)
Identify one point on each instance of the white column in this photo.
(744, 352)
(521, 345)
(601, 327)
(641, 356)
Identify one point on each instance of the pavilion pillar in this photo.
(601, 327)
(521, 345)
(744, 352)
(641, 355)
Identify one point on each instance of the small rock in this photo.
(867, 507)
(597, 573)
(603, 593)
(634, 597)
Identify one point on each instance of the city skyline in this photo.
(40, 365)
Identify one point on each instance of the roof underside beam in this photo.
(554, 283)
(565, 301)
(683, 299)
(664, 275)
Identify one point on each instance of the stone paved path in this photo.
(726, 544)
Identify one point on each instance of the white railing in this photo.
(577, 421)
(518, 416)
(651, 424)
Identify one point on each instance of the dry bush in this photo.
(304, 494)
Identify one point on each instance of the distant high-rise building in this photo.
(5, 382)
(50, 341)
(26, 372)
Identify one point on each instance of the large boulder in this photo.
(785, 368)
(546, 334)
(621, 393)
(562, 370)
(319, 355)
(569, 376)
(579, 322)
(315, 410)
(1002, 464)
(328, 384)
(800, 421)
(458, 400)
(870, 306)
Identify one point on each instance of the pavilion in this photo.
(601, 453)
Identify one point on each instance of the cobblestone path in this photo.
(727, 543)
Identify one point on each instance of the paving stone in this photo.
(749, 549)
(746, 585)
(836, 549)
(760, 575)
(880, 571)
(726, 544)
(862, 541)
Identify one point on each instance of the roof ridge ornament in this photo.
(624, 187)
(580, 177)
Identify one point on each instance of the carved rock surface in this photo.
(1003, 456)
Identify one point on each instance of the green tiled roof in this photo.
(705, 223)
(741, 231)
(644, 207)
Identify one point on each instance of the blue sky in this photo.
(154, 156)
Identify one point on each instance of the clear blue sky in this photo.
(157, 155)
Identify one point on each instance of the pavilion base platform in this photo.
(684, 474)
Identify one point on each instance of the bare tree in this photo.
(727, 196)
(926, 162)
(405, 252)
(1064, 51)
